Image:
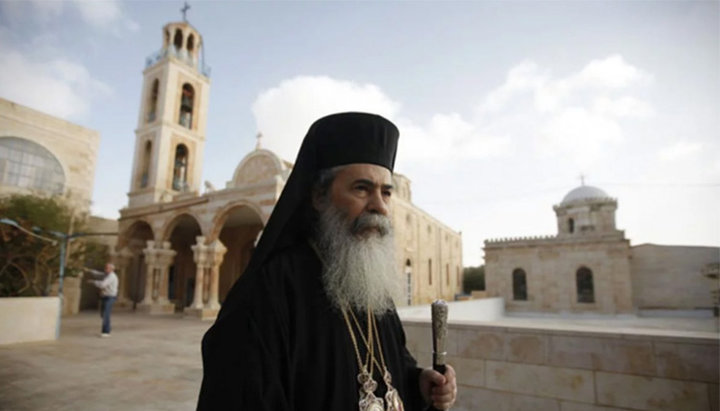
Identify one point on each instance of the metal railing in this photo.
(180, 55)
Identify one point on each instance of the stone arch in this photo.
(173, 220)
(256, 167)
(133, 241)
(182, 231)
(237, 226)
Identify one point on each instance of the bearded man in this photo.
(311, 325)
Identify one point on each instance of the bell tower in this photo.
(170, 135)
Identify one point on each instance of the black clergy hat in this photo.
(334, 140)
(347, 138)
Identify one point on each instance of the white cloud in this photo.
(284, 113)
(58, 87)
(577, 116)
(612, 72)
(103, 15)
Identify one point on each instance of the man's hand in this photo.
(437, 389)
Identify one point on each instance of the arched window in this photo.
(447, 274)
(408, 276)
(178, 40)
(571, 225)
(187, 99)
(153, 100)
(191, 45)
(29, 165)
(147, 155)
(180, 170)
(585, 287)
(519, 279)
(430, 271)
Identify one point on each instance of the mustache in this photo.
(367, 220)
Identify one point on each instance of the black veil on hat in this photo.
(334, 140)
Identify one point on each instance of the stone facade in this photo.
(51, 141)
(502, 367)
(667, 277)
(180, 249)
(589, 266)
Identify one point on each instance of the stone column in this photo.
(165, 257)
(150, 257)
(216, 253)
(200, 257)
(122, 260)
(157, 260)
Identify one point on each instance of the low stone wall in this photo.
(515, 368)
(26, 319)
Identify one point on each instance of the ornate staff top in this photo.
(439, 331)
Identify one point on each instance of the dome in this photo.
(583, 193)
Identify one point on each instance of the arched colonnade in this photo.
(187, 259)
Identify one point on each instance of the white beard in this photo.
(359, 271)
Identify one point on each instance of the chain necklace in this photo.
(368, 400)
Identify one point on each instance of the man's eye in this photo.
(387, 193)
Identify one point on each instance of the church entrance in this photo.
(137, 237)
(240, 228)
(181, 274)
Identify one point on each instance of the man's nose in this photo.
(377, 204)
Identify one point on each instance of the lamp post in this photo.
(63, 239)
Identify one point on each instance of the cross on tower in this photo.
(582, 179)
(258, 145)
(184, 11)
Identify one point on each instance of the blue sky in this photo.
(501, 104)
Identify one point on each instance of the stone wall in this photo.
(514, 368)
(27, 319)
(669, 277)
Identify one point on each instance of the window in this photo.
(178, 40)
(408, 276)
(447, 274)
(145, 176)
(571, 225)
(29, 165)
(191, 44)
(585, 288)
(430, 271)
(187, 99)
(180, 170)
(519, 281)
(152, 101)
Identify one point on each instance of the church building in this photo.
(590, 266)
(182, 250)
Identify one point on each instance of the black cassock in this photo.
(279, 345)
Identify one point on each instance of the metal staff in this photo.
(439, 310)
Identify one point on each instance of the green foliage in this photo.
(473, 279)
(30, 265)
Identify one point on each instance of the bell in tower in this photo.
(170, 135)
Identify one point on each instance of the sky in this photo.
(501, 105)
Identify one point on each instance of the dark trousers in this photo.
(106, 304)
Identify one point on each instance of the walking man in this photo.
(108, 293)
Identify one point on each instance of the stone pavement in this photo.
(149, 363)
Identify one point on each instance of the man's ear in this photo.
(318, 199)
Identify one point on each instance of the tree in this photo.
(473, 279)
(29, 265)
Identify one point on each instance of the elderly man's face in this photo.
(362, 188)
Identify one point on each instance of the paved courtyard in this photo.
(149, 363)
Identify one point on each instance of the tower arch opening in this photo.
(187, 101)
(180, 168)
